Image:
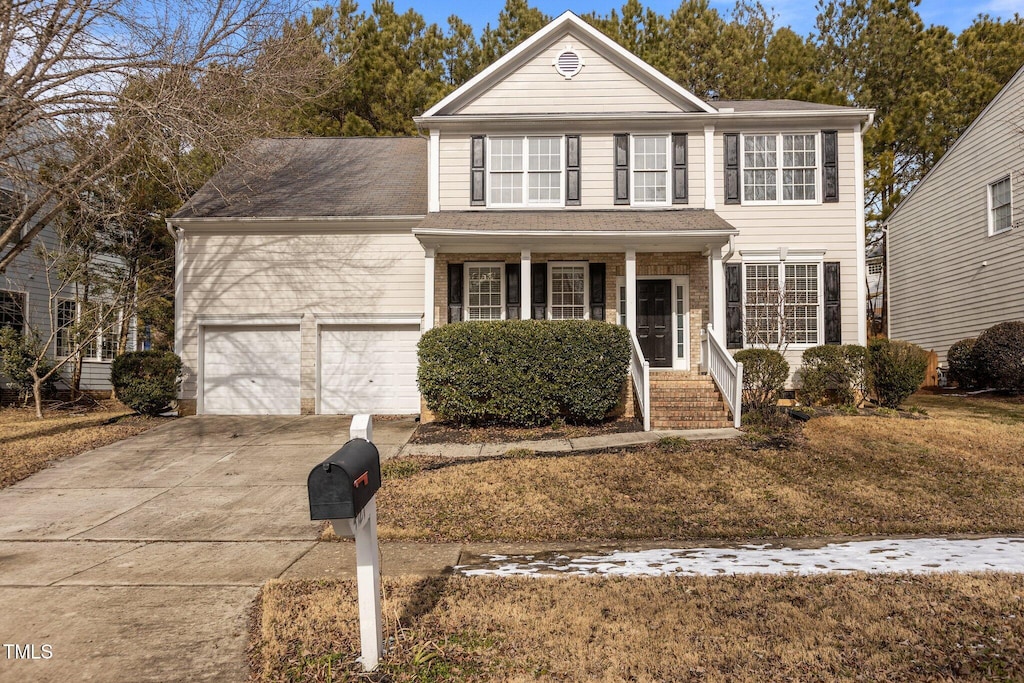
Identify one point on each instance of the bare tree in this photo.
(187, 78)
(766, 322)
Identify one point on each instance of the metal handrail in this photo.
(640, 371)
(725, 371)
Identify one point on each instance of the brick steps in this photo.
(681, 400)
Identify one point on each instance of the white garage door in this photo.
(369, 369)
(251, 370)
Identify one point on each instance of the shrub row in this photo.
(834, 375)
(523, 372)
(764, 374)
(995, 359)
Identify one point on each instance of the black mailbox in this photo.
(342, 485)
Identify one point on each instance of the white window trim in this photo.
(678, 362)
(782, 263)
(633, 170)
(97, 355)
(24, 313)
(465, 286)
(779, 168)
(526, 203)
(991, 228)
(586, 287)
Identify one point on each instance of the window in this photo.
(533, 163)
(67, 313)
(483, 291)
(791, 175)
(567, 287)
(1000, 216)
(650, 169)
(681, 304)
(12, 310)
(622, 305)
(102, 346)
(782, 304)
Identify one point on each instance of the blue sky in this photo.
(798, 14)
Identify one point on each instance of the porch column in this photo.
(428, 288)
(631, 290)
(525, 286)
(716, 293)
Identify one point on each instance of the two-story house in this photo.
(567, 180)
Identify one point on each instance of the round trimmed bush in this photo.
(962, 368)
(764, 375)
(897, 369)
(146, 381)
(999, 356)
(833, 375)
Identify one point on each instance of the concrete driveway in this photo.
(138, 561)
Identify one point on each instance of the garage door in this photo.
(369, 369)
(251, 370)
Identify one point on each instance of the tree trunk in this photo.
(37, 392)
(76, 377)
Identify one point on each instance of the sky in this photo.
(797, 14)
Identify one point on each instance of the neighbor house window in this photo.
(525, 171)
(782, 303)
(483, 291)
(650, 169)
(791, 176)
(1001, 211)
(103, 344)
(12, 310)
(567, 287)
(67, 313)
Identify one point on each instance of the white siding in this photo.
(536, 88)
(302, 276)
(948, 278)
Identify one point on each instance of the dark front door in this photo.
(653, 321)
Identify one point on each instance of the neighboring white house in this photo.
(567, 180)
(956, 243)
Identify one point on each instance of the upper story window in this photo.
(781, 167)
(1000, 214)
(484, 283)
(650, 169)
(782, 303)
(525, 171)
(12, 310)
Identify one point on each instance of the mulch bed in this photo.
(443, 432)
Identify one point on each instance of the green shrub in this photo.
(962, 367)
(146, 381)
(999, 356)
(833, 375)
(897, 370)
(764, 375)
(523, 372)
(18, 352)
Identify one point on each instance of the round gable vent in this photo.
(568, 63)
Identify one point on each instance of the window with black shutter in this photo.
(732, 168)
(829, 166)
(12, 310)
(621, 168)
(680, 181)
(454, 292)
(477, 172)
(572, 170)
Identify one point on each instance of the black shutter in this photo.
(833, 313)
(454, 292)
(572, 170)
(829, 166)
(597, 291)
(477, 188)
(732, 168)
(512, 291)
(680, 182)
(733, 306)
(539, 289)
(621, 168)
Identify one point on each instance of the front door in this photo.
(653, 321)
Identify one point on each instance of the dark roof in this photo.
(777, 105)
(624, 220)
(316, 177)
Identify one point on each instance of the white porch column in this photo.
(716, 287)
(428, 288)
(631, 290)
(525, 286)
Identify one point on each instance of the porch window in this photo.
(1000, 211)
(650, 169)
(681, 304)
(567, 286)
(791, 176)
(533, 163)
(622, 305)
(782, 303)
(484, 291)
(12, 310)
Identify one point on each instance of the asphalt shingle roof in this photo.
(318, 177)
(625, 220)
(776, 106)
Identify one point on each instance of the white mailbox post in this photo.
(364, 528)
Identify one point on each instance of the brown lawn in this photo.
(28, 444)
(961, 470)
(858, 627)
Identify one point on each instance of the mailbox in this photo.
(342, 485)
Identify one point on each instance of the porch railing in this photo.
(640, 371)
(725, 371)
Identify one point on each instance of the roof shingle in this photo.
(612, 220)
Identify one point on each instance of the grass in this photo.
(857, 627)
(27, 444)
(959, 470)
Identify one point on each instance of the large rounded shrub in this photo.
(523, 372)
(999, 356)
(146, 381)
(764, 375)
(897, 369)
(832, 375)
(962, 368)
